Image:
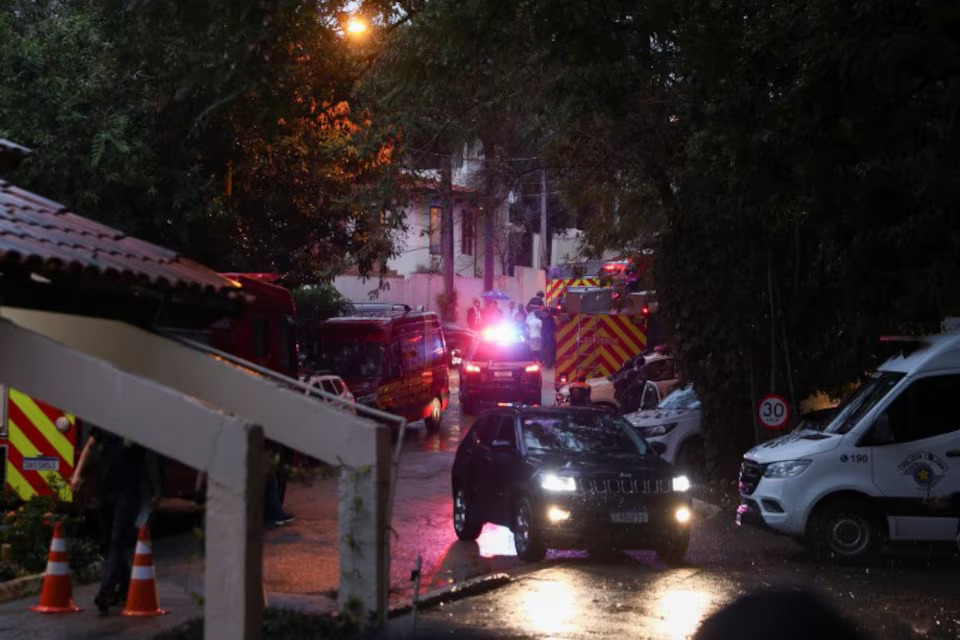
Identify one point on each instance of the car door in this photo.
(503, 461)
(476, 465)
(914, 453)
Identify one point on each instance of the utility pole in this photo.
(446, 233)
(544, 244)
(489, 247)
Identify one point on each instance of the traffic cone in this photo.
(142, 597)
(57, 596)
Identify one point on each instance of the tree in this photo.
(225, 132)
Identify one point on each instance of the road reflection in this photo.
(550, 607)
(680, 612)
(496, 541)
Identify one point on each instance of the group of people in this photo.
(534, 320)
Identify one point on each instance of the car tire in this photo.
(466, 525)
(673, 548)
(435, 418)
(527, 540)
(691, 459)
(846, 531)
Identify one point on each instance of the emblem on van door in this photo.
(924, 469)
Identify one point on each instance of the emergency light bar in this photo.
(503, 333)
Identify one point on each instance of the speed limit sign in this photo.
(773, 411)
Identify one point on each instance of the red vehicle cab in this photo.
(500, 369)
(397, 363)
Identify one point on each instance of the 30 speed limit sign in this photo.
(773, 411)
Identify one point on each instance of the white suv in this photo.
(676, 423)
(659, 370)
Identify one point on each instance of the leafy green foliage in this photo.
(793, 165)
(225, 132)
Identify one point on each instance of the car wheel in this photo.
(673, 548)
(526, 538)
(465, 523)
(436, 416)
(691, 460)
(846, 531)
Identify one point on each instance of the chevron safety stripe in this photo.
(597, 344)
(557, 288)
(40, 457)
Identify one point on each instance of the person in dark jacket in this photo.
(549, 340)
(580, 392)
(475, 315)
(127, 485)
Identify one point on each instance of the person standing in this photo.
(128, 485)
(549, 331)
(536, 302)
(580, 392)
(535, 332)
(475, 315)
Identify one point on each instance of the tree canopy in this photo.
(225, 131)
(794, 165)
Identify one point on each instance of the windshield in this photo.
(862, 400)
(352, 359)
(510, 352)
(581, 433)
(681, 398)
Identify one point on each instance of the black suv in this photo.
(568, 478)
(499, 371)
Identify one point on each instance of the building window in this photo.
(435, 230)
(468, 232)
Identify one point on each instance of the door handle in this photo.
(953, 453)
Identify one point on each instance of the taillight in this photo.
(472, 368)
(532, 368)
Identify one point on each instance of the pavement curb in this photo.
(32, 585)
(458, 591)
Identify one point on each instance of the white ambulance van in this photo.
(884, 468)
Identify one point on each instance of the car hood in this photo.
(587, 465)
(653, 417)
(794, 446)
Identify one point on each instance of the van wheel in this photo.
(846, 531)
(436, 416)
(526, 538)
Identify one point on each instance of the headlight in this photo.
(552, 482)
(681, 483)
(786, 469)
(657, 430)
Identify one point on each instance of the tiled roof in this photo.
(42, 236)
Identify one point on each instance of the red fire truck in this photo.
(39, 443)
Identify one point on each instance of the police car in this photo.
(500, 369)
(882, 469)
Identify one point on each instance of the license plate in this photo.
(41, 464)
(503, 374)
(629, 517)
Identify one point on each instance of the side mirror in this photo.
(658, 447)
(503, 446)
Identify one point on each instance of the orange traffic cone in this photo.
(57, 596)
(142, 597)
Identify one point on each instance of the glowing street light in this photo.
(356, 26)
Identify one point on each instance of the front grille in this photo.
(592, 485)
(750, 474)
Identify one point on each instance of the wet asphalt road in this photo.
(910, 593)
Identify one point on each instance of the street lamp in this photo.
(356, 26)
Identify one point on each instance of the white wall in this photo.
(422, 289)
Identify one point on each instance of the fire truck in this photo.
(623, 275)
(40, 444)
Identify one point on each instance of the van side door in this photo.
(913, 447)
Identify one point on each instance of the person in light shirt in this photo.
(535, 332)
